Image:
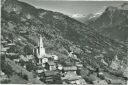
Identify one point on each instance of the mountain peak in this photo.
(124, 6)
(111, 8)
(77, 16)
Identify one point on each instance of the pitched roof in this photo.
(40, 67)
(90, 68)
(81, 81)
(23, 58)
(48, 80)
(30, 56)
(79, 64)
(48, 55)
(71, 76)
(116, 81)
(50, 73)
(126, 72)
(11, 54)
(51, 63)
(100, 82)
(40, 71)
(4, 49)
(70, 68)
(10, 44)
(3, 41)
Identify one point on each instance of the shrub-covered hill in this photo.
(23, 23)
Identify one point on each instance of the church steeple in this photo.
(41, 46)
(41, 50)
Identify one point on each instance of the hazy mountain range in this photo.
(111, 23)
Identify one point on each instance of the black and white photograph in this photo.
(64, 42)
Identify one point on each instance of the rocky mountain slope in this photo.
(23, 23)
(113, 23)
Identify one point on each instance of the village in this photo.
(49, 70)
(41, 67)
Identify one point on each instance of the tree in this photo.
(11, 36)
(57, 79)
(30, 66)
(7, 69)
(28, 50)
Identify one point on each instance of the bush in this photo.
(30, 66)
(6, 81)
(7, 69)
(25, 77)
(28, 50)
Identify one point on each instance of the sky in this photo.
(73, 7)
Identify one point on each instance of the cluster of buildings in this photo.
(51, 71)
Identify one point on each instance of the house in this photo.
(79, 65)
(49, 80)
(12, 54)
(90, 68)
(50, 73)
(125, 73)
(55, 58)
(11, 44)
(49, 76)
(52, 65)
(104, 62)
(44, 60)
(70, 69)
(71, 78)
(80, 81)
(4, 49)
(3, 42)
(60, 67)
(115, 65)
(70, 61)
(2, 76)
(16, 60)
(72, 55)
(77, 80)
(40, 69)
(46, 66)
(101, 82)
(24, 58)
(30, 57)
(116, 81)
